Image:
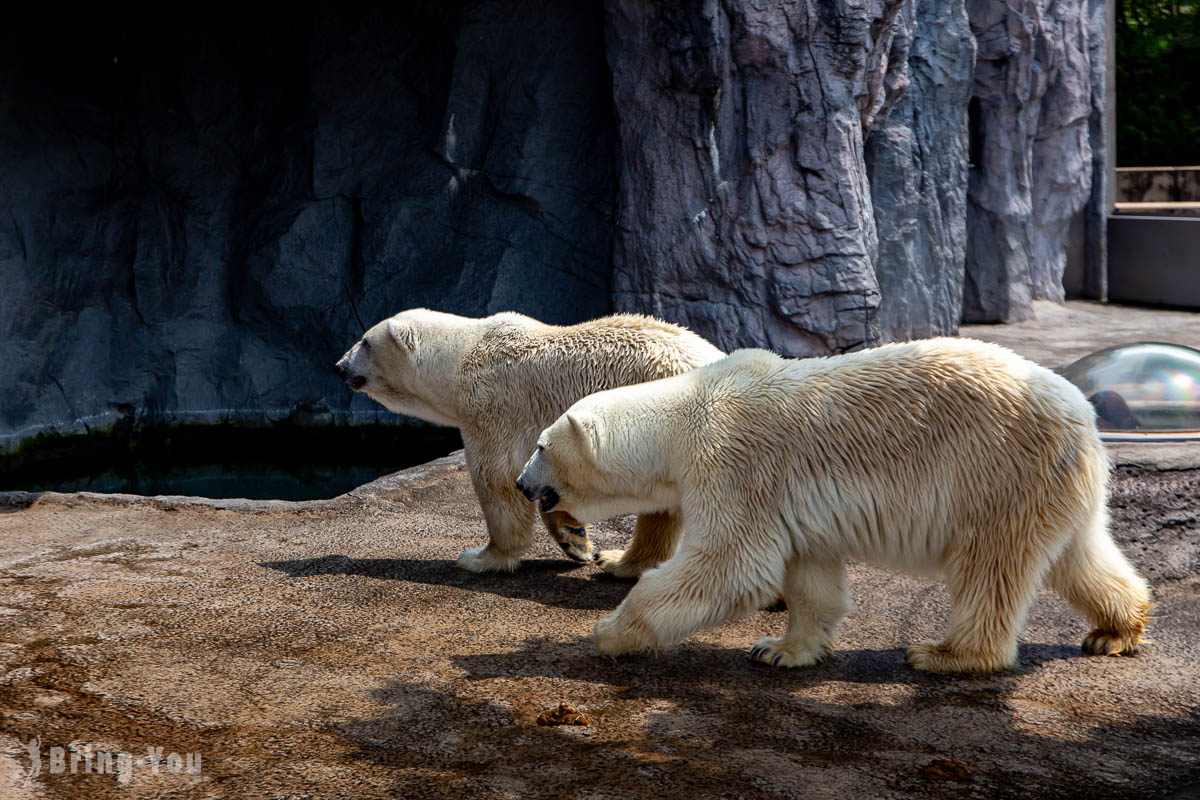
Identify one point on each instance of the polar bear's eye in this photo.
(366, 344)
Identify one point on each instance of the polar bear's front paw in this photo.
(772, 650)
(615, 636)
(613, 562)
(608, 641)
(485, 559)
(575, 543)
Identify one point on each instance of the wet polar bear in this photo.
(500, 380)
(948, 455)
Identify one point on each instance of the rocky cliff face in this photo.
(747, 136)
(1036, 120)
(916, 157)
(195, 221)
(744, 209)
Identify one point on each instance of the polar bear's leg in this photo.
(509, 516)
(710, 578)
(991, 580)
(817, 601)
(654, 541)
(1096, 579)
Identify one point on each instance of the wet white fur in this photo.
(946, 456)
(503, 378)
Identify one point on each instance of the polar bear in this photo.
(945, 455)
(500, 380)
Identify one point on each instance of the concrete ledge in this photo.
(1163, 456)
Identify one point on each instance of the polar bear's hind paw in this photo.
(772, 650)
(1101, 642)
(938, 657)
(616, 635)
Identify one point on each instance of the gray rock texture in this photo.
(1032, 155)
(195, 222)
(916, 157)
(1093, 283)
(743, 204)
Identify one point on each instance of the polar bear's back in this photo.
(521, 374)
(927, 438)
(576, 360)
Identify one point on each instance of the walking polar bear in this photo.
(500, 380)
(946, 454)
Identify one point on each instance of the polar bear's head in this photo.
(409, 364)
(600, 459)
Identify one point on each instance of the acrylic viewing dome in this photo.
(1146, 390)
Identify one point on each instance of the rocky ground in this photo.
(332, 649)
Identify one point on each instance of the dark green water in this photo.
(284, 462)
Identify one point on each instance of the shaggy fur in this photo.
(944, 455)
(500, 380)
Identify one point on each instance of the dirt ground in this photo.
(332, 649)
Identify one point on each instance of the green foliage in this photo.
(1158, 83)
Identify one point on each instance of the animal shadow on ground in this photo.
(672, 672)
(707, 722)
(551, 582)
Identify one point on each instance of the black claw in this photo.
(754, 651)
(775, 661)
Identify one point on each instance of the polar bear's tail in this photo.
(1097, 580)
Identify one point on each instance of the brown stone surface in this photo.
(331, 649)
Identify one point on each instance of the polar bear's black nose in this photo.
(530, 494)
(355, 382)
(545, 497)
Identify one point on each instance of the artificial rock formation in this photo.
(916, 156)
(739, 171)
(1036, 123)
(744, 209)
(196, 221)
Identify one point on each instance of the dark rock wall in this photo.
(1032, 175)
(1093, 283)
(744, 210)
(196, 219)
(916, 159)
(741, 174)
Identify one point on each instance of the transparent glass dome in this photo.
(1147, 390)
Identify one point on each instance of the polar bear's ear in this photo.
(402, 334)
(585, 431)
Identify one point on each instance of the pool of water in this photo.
(284, 462)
